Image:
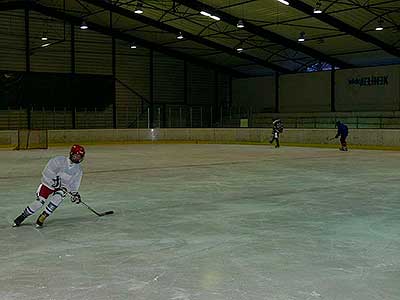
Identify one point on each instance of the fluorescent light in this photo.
(215, 18)
(284, 2)
(45, 45)
(207, 14)
(204, 13)
(83, 26)
(240, 24)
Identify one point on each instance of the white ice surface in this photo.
(207, 222)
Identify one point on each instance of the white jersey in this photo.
(60, 171)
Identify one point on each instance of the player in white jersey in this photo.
(61, 174)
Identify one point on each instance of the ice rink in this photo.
(210, 222)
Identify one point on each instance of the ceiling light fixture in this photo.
(139, 8)
(317, 8)
(204, 13)
(216, 18)
(240, 24)
(301, 37)
(379, 27)
(240, 48)
(179, 36)
(83, 26)
(207, 14)
(284, 2)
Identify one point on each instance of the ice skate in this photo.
(41, 219)
(18, 220)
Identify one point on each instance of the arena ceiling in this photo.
(343, 35)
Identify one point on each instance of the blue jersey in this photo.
(342, 130)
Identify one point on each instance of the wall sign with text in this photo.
(369, 81)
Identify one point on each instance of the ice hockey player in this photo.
(61, 174)
(343, 132)
(277, 128)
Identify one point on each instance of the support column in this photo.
(28, 62)
(333, 96)
(114, 73)
(215, 105)
(185, 82)
(151, 111)
(73, 70)
(276, 92)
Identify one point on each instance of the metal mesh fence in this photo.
(185, 116)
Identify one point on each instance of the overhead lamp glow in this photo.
(207, 14)
(301, 38)
(317, 9)
(179, 36)
(45, 45)
(379, 27)
(240, 24)
(284, 2)
(139, 8)
(44, 37)
(204, 13)
(133, 46)
(83, 26)
(240, 47)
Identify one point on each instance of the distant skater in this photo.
(343, 132)
(277, 128)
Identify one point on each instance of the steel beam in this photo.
(342, 26)
(52, 12)
(198, 39)
(267, 34)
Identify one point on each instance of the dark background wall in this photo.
(370, 89)
(143, 77)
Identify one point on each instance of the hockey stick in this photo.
(330, 139)
(110, 212)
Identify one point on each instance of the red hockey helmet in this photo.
(77, 154)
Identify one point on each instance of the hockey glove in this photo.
(75, 197)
